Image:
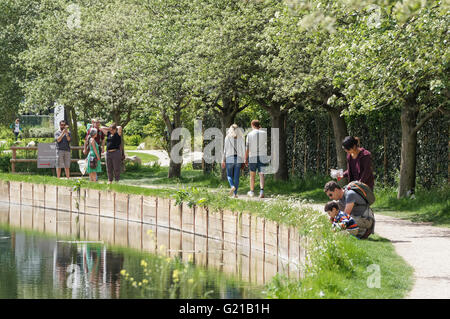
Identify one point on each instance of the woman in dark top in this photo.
(113, 151)
(359, 162)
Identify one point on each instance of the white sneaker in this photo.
(232, 190)
(251, 194)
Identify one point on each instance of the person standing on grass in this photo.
(100, 139)
(359, 162)
(93, 156)
(62, 138)
(233, 157)
(354, 205)
(16, 128)
(255, 156)
(114, 151)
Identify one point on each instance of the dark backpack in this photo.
(363, 190)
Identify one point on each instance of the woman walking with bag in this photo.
(233, 157)
(94, 164)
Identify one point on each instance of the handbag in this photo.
(93, 162)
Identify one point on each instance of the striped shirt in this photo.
(344, 221)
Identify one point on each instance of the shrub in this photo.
(5, 164)
(82, 133)
(133, 140)
(153, 143)
(5, 133)
(132, 166)
(38, 132)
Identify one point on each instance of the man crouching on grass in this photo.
(340, 219)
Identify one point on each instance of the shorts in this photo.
(364, 223)
(255, 164)
(62, 159)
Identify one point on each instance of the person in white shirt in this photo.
(233, 157)
(16, 128)
(256, 156)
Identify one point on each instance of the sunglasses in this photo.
(330, 195)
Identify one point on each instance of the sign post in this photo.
(46, 155)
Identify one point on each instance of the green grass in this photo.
(351, 280)
(427, 206)
(302, 188)
(339, 264)
(146, 158)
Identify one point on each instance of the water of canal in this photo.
(34, 264)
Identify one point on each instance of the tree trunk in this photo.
(408, 152)
(278, 121)
(174, 168)
(72, 121)
(340, 132)
(293, 150)
(318, 151)
(385, 160)
(116, 117)
(328, 147)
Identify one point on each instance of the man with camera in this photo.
(62, 138)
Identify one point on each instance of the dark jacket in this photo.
(360, 168)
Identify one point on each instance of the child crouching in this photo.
(340, 219)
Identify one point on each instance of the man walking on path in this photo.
(62, 138)
(256, 156)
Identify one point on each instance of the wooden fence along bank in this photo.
(247, 246)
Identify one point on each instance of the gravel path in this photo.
(426, 248)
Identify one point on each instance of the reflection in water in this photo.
(36, 265)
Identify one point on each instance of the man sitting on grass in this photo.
(340, 219)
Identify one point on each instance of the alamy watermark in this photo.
(374, 279)
(214, 150)
(74, 19)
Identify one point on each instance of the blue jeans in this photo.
(233, 165)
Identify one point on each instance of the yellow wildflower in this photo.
(175, 275)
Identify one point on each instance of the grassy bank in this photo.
(426, 205)
(340, 266)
